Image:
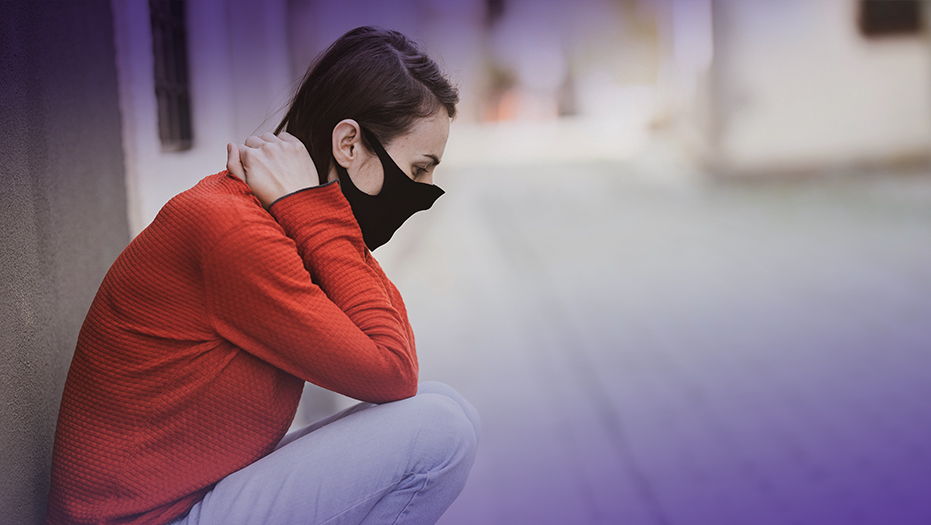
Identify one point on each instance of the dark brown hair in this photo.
(379, 78)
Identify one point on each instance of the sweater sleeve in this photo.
(341, 332)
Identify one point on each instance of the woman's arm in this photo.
(341, 330)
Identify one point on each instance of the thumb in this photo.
(234, 162)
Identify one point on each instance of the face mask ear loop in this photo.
(392, 173)
(369, 141)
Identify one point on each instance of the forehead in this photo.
(427, 136)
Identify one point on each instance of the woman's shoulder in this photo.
(215, 206)
(220, 190)
(220, 195)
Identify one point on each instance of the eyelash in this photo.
(418, 170)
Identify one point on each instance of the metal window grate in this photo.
(169, 44)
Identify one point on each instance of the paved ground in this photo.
(685, 353)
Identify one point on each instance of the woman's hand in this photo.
(273, 166)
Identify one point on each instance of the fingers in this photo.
(234, 162)
(257, 141)
(284, 136)
(272, 166)
(287, 137)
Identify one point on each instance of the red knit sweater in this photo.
(195, 350)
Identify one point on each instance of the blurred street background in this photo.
(694, 354)
(683, 263)
(683, 266)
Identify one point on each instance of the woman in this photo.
(193, 356)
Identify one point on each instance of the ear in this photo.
(347, 142)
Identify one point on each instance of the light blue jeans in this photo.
(395, 463)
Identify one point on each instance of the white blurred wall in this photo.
(239, 78)
(796, 87)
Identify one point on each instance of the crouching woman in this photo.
(193, 356)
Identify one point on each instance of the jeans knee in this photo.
(446, 437)
(442, 389)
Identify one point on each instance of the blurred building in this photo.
(809, 85)
(736, 87)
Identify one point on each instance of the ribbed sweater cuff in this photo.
(315, 216)
(309, 188)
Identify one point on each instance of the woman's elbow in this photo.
(401, 388)
(401, 384)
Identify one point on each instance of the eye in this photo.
(419, 171)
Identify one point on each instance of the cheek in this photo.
(369, 177)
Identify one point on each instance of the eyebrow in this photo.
(433, 158)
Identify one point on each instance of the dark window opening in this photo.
(169, 44)
(494, 10)
(890, 17)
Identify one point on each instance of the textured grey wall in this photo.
(63, 212)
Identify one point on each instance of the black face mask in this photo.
(379, 216)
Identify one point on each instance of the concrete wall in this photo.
(63, 213)
(797, 88)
